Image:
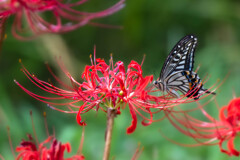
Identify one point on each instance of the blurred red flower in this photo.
(63, 15)
(49, 149)
(212, 131)
(230, 117)
(29, 150)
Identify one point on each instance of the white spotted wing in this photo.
(181, 57)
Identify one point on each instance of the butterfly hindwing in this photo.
(187, 82)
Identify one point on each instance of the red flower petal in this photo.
(133, 126)
(231, 147)
(79, 119)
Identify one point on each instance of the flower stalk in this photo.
(111, 114)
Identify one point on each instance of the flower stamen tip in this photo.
(5, 37)
(44, 114)
(121, 93)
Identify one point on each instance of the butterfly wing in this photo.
(177, 81)
(181, 57)
(177, 74)
(187, 82)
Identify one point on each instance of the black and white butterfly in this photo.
(177, 73)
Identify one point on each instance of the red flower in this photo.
(211, 131)
(230, 117)
(64, 17)
(104, 86)
(49, 149)
(29, 150)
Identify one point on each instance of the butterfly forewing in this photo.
(181, 57)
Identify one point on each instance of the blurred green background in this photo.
(150, 27)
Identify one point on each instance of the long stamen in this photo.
(81, 142)
(90, 56)
(10, 142)
(94, 55)
(45, 123)
(198, 67)
(137, 153)
(144, 56)
(34, 131)
(234, 94)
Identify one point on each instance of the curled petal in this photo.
(135, 65)
(79, 119)
(133, 126)
(221, 114)
(231, 147)
(68, 147)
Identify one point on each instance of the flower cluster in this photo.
(64, 16)
(114, 87)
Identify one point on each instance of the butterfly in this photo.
(177, 72)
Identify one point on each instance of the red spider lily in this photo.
(104, 86)
(64, 17)
(212, 131)
(113, 87)
(49, 149)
